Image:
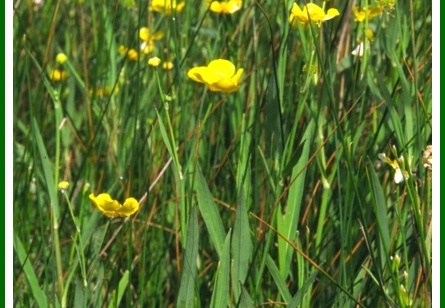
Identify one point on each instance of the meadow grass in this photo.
(271, 196)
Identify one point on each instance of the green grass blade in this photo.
(221, 293)
(187, 287)
(31, 277)
(289, 224)
(297, 299)
(119, 292)
(278, 279)
(209, 212)
(246, 300)
(381, 213)
(47, 170)
(242, 246)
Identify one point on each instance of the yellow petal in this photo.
(203, 74)
(216, 7)
(237, 76)
(222, 67)
(144, 33)
(315, 12)
(331, 14)
(105, 204)
(131, 205)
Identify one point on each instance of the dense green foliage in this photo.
(273, 195)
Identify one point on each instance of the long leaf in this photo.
(47, 170)
(117, 294)
(242, 246)
(288, 224)
(381, 213)
(38, 294)
(221, 293)
(279, 281)
(209, 212)
(187, 287)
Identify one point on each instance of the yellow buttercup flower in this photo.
(112, 208)
(226, 7)
(63, 185)
(369, 13)
(168, 65)
(311, 12)
(154, 61)
(148, 39)
(131, 53)
(61, 58)
(399, 175)
(57, 75)
(166, 6)
(219, 75)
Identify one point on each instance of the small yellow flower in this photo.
(369, 13)
(166, 6)
(167, 65)
(63, 185)
(148, 39)
(219, 75)
(226, 7)
(112, 208)
(131, 53)
(311, 12)
(154, 61)
(399, 175)
(61, 58)
(57, 75)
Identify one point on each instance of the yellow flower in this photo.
(63, 185)
(61, 58)
(155, 61)
(399, 175)
(226, 7)
(148, 39)
(219, 75)
(361, 15)
(58, 75)
(166, 6)
(112, 208)
(131, 53)
(311, 12)
(168, 65)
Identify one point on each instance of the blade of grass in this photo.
(287, 225)
(186, 292)
(209, 212)
(119, 292)
(31, 277)
(221, 293)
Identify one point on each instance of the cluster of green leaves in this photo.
(269, 196)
